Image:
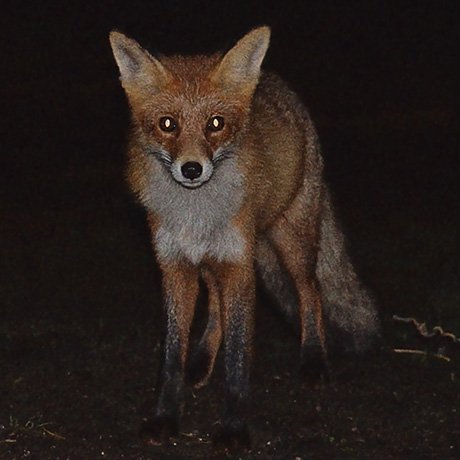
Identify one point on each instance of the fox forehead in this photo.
(189, 101)
(190, 69)
(191, 91)
(188, 104)
(189, 81)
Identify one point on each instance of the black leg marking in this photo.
(164, 425)
(233, 435)
(314, 363)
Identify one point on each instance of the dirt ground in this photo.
(80, 310)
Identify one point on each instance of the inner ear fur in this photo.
(239, 69)
(138, 68)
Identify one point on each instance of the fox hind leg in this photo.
(276, 280)
(295, 238)
(202, 361)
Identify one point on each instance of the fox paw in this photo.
(199, 368)
(232, 439)
(159, 430)
(315, 366)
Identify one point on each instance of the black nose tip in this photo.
(191, 170)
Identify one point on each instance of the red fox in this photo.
(226, 162)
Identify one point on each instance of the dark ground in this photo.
(81, 326)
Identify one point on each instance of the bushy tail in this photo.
(347, 305)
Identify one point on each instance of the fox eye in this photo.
(215, 124)
(167, 124)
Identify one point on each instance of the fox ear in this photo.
(138, 68)
(239, 69)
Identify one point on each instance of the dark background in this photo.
(79, 299)
(360, 61)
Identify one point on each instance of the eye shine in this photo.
(216, 124)
(167, 124)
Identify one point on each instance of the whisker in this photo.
(222, 155)
(161, 155)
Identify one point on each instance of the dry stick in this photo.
(421, 352)
(54, 435)
(421, 328)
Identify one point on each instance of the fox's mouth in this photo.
(193, 184)
(192, 174)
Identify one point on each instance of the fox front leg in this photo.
(238, 297)
(180, 286)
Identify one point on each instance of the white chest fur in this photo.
(223, 245)
(196, 223)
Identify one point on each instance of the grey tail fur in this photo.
(347, 305)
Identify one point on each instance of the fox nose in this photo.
(191, 170)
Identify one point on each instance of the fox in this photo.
(226, 161)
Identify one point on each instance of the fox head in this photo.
(187, 112)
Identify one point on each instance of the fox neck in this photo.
(193, 223)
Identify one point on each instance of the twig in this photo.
(420, 352)
(422, 329)
(54, 435)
